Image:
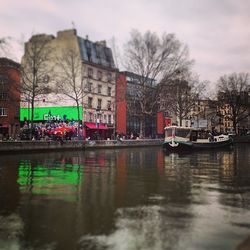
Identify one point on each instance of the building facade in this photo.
(95, 81)
(100, 88)
(234, 109)
(175, 103)
(131, 121)
(226, 123)
(204, 115)
(9, 98)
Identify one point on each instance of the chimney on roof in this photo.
(102, 43)
(65, 33)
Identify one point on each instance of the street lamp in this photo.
(98, 121)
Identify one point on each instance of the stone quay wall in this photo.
(30, 146)
(123, 143)
(40, 146)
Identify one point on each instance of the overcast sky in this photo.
(217, 32)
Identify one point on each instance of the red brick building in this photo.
(128, 112)
(121, 104)
(9, 98)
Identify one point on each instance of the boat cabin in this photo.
(180, 133)
(190, 134)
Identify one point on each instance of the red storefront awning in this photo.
(93, 125)
(4, 126)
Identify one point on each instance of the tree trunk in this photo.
(142, 127)
(180, 118)
(78, 116)
(235, 126)
(32, 117)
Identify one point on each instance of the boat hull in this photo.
(188, 146)
(211, 145)
(177, 146)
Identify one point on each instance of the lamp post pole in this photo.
(98, 125)
(28, 111)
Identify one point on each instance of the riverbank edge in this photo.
(42, 146)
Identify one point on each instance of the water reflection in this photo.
(125, 199)
(135, 228)
(58, 182)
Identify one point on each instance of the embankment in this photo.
(40, 146)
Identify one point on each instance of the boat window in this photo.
(184, 133)
(203, 134)
(169, 132)
(194, 136)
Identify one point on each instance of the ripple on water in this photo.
(140, 228)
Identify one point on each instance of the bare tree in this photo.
(233, 90)
(11, 48)
(4, 46)
(141, 100)
(155, 60)
(71, 79)
(181, 95)
(115, 51)
(35, 70)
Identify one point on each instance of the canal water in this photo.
(125, 199)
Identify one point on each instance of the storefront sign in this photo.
(49, 117)
(51, 113)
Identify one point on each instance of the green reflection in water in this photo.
(61, 181)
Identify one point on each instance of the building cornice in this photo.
(6, 62)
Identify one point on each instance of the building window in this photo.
(3, 111)
(4, 79)
(46, 79)
(90, 100)
(90, 117)
(99, 89)
(89, 86)
(109, 119)
(90, 72)
(99, 118)
(109, 105)
(99, 75)
(99, 103)
(3, 96)
(109, 77)
(109, 91)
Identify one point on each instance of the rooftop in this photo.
(6, 62)
(96, 52)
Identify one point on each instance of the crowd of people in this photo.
(51, 131)
(65, 130)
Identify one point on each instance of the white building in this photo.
(97, 77)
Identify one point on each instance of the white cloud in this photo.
(217, 32)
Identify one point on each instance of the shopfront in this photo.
(4, 131)
(98, 131)
(47, 115)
